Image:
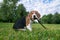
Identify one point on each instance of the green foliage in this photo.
(38, 32)
(51, 18)
(56, 18)
(10, 12)
(44, 19)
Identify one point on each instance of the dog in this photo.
(25, 22)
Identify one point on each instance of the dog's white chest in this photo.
(29, 26)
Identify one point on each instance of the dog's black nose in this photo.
(35, 17)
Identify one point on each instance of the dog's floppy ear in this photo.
(38, 14)
(29, 17)
(30, 14)
(27, 20)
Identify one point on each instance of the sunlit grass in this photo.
(38, 32)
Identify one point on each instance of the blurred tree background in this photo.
(51, 19)
(10, 12)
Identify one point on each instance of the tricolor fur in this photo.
(25, 22)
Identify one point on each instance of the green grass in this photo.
(38, 32)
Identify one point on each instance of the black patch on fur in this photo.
(20, 23)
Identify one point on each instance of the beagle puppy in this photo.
(25, 22)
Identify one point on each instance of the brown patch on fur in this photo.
(27, 20)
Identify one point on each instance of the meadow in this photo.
(38, 33)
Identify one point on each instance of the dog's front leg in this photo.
(29, 27)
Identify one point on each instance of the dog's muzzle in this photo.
(35, 17)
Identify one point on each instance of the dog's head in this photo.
(34, 16)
